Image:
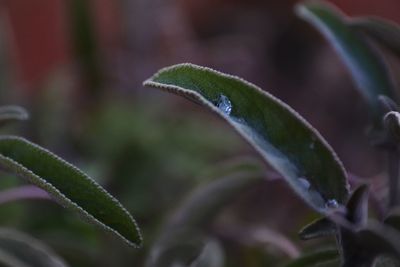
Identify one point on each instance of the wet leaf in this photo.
(278, 133)
(68, 185)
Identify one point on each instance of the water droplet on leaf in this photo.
(304, 183)
(332, 204)
(224, 104)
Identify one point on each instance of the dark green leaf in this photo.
(315, 259)
(12, 113)
(391, 122)
(357, 207)
(283, 138)
(366, 66)
(318, 228)
(384, 31)
(18, 249)
(394, 219)
(68, 185)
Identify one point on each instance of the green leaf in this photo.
(20, 250)
(362, 247)
(206, 202)
(357, 207)
(391, 122)
(68, 185)
(181, 238)
(315, 259)
(318, 228)
(278, 133)
(12, 113)
(367, 68)
(385, 32)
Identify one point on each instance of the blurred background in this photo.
(78, 67)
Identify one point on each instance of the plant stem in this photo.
(393, 177)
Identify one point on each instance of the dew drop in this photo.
(304, 183)
(224, 104)
(332, 204)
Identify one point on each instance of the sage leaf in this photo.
(12, 113)
(318, 228)
(367, 68)
(385, 32)
(18, 249)
(279, 134)
(68, 185)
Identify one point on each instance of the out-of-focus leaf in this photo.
(211, 256)
(68, 185)
(205, 202)
(362, 247)
(385, 261)
(283, 138)
(357, 207)
(19, 250)
(394, 220)
(388, 104)
(85, 44)
(12, 113)
(181, 239)
(318, 228)
(366, 66)
(315, 259)
(22, 192)
(178, 246)
(386, 32)
(392, 125)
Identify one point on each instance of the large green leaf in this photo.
(20, 250)
(280, 135)
(68, 185)
(366, 66)
(386, 32)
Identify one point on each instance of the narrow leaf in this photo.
(386, 32)
(318, 228)
(22, 250)
(357, 207)
(68, 185)
(315, 259)
(12, 113)
(366, 66)
(283, 138)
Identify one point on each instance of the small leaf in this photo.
(12, 113)
(357, 207)
(315, 259)
(18, 249)
(393, 220)
(318, 228)
(386, 32)
(391, 122)
(278, 133)
(367, 68)
(68, 185)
